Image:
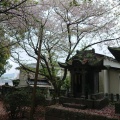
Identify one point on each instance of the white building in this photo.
(109, 79)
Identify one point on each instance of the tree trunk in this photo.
(32, 111)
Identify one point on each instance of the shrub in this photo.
(16, 82)
(15, 103)
(7, 90)
(40, 98)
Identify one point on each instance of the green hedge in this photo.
(16, 101)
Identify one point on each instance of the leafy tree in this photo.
(4, 53)
(66, 84)
(4, 56)
(7, 11)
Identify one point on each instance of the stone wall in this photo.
(97, 104)
(58, 113)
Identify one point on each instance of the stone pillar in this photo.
(83, 83)
(96, 82)
(72, 78)
(106, 81)
(119, 83)
(23, 79)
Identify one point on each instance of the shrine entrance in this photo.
(77, 85)
(84, 69)
(84, 82)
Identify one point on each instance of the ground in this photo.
(3, 114)
(107, 111)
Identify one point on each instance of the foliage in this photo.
(6, 89)
(66, 84)
(18, 101)
(40, 98)
(15, 103)
(7, 11)
(3, 60)
(40, 95)
(16, 82)
(8, 8)
(4, 51)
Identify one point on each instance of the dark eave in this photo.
(115, 52)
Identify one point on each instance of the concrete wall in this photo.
(113, 83)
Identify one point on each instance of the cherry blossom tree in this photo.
(50, 30)
(73, 23)
(8, 8)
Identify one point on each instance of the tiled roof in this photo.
(87, 57)
(41, 83)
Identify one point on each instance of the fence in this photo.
(113, 97)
